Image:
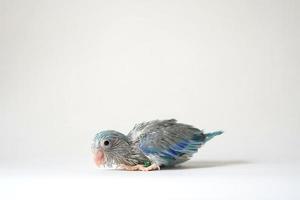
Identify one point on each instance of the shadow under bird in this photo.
(149, 145)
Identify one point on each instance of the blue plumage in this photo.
(209, 136)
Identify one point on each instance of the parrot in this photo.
(149, 145)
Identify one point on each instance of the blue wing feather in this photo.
(167, 142)
(182, 150)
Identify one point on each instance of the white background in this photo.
(69, 69)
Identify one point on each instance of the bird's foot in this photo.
(151, 167)
(140, 167)
(131, 168)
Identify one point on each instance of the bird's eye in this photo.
(106, 143)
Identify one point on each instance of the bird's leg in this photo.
(131, 168)
(153, 166)
(140, 167)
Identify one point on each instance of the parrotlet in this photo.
(149, 145)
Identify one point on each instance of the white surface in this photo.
(69, 69)
(194, 180)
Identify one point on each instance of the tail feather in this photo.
(209, 136)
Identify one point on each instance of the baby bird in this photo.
(149, 145)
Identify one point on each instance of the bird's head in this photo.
(109, 147)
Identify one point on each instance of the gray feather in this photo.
(158, 139)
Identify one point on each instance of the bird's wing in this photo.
(166, 142)
(139, 129)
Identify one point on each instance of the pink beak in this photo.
(99, 158)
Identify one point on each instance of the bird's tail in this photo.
(209, 136)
